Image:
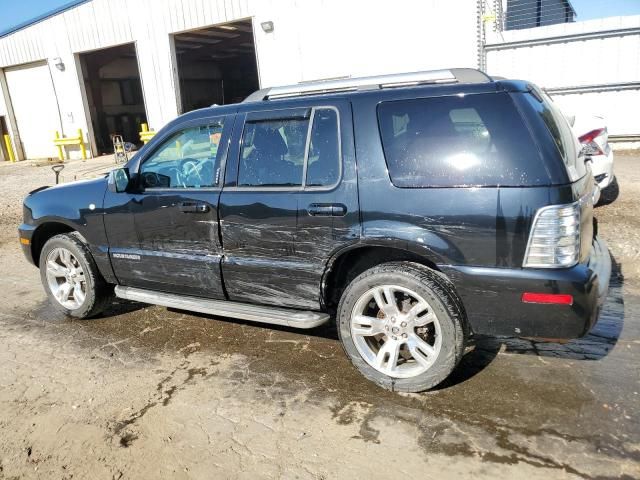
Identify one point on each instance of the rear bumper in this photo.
(492, 297)
(602, 169)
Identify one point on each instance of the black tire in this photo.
(610, 193)
(98, 293)
(439, 293)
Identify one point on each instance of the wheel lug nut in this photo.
(404, 335)
(403, 324)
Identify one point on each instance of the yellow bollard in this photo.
(61, 142)
(7, 142)
(145, 133)
(60, 151)
(83, 149)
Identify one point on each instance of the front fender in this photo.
(74, 206)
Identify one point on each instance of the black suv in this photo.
(415, 209)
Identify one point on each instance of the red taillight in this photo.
(590, 136)
(547, 298)
(593, 142)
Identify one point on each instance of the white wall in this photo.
(332, 38)
(312, 39)
(619, 109)
(596, 53)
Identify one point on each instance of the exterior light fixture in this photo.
(267, 26)
(59, 63)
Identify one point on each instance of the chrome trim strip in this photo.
(178, 189)
(307, 144)
(244, 311)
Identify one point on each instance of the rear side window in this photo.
(561, 132)
(460, 140)
(276, 152)
(273, 153)
(323, 164)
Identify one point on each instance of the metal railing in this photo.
(535, 13)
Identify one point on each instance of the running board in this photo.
(223, 308)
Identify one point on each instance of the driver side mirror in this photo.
(119, 180)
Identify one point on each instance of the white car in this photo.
(592, 133)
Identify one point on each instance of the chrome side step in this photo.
(223, 308)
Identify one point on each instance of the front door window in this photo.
(188, 159)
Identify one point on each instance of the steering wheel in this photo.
(190, 167)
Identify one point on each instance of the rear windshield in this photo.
(561, 132)
(462, 140)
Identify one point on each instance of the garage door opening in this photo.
(114, 95)
(216, 65)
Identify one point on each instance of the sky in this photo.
(15, 12)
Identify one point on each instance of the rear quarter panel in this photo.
(482, 226)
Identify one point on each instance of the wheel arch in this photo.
(46, 231)
(346, 264)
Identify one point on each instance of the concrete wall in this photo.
(590, 67)
(312, 39)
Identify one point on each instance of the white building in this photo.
(106, 66)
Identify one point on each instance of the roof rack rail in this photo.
(453, 75)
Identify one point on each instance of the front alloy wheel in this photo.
(66, 278)
(71, 278)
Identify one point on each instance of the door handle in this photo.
(194, 207)
(327, 210)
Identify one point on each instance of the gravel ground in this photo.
(17, 179)
(147, 392)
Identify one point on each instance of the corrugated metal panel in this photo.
(103, 23)
(593, 53)
(312, 39)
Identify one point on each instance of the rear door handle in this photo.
(327, 210)
(194, 207)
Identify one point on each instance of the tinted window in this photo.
(561, 132)
(323, 164)
(457, 141)
(272, 153)
(189, 159)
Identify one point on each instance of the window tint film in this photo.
(323, 164)
(272, 153)
(189, 159)
(561, 132)
(458, 141)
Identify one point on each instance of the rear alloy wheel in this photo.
(402, 325)
(396, 331)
